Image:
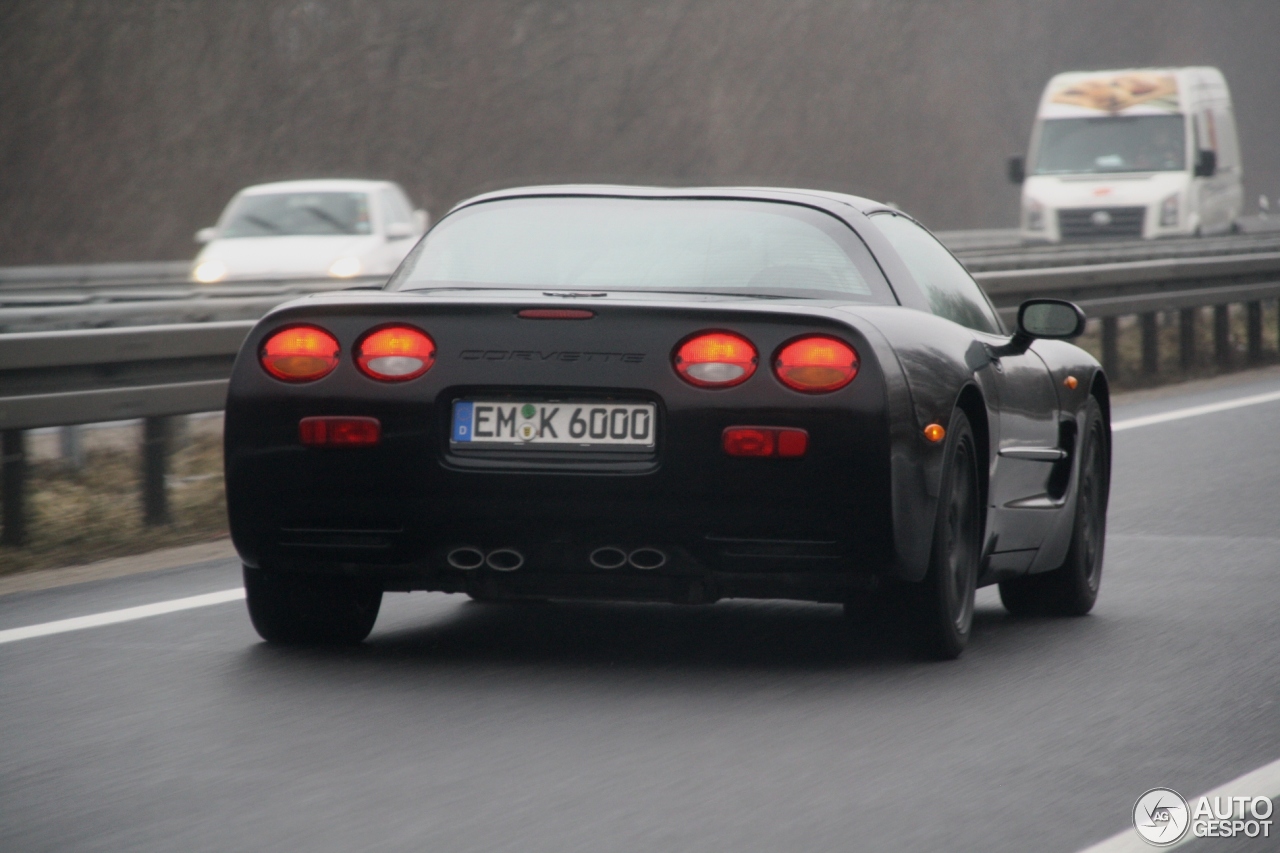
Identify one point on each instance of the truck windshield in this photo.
(747, 248)
(279, 214)
(1111, 144)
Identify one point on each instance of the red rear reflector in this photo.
(765, 441)
(299, 354)
(816, 364)
(395, 353)
(556, 314)
(339, 431)
(715, 360)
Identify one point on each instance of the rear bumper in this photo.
(804, 528)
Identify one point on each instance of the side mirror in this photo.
(1206, 163)
(421, 219)
(206, 235)
(1017, 170)
(1055, 319)
(399, 230)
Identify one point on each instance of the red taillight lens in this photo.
(395, 353)
(816, 364)
(765, 441)
(715, 360)
(299, 354)
(339, 431)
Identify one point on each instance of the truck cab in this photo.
(1131, 154)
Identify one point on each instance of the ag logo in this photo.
(1160, 816)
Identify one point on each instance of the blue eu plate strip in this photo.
(462, 413)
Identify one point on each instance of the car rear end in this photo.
(680, 479)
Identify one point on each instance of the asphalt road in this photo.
(737, 727)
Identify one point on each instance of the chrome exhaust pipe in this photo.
(465, 558)
(647, 558)
(504, 559)
(608, 557)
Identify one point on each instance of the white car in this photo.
(310, 229)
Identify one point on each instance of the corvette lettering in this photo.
(536, 355)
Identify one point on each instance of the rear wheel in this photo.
(1072, 588)
(309, 609)
(942, 606)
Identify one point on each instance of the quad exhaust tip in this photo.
(608, 557)
(504, 559)
(465, 558)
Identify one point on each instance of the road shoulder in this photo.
(154, 561)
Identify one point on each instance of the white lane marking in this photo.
(111, 617)
(1193, 411)
(1263, 782)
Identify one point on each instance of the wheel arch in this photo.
(1100, 390)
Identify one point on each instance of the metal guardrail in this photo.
(61, 378)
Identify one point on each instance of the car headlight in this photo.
(1169, 211)
(1033, 215)
(210, 271)
(345, 268)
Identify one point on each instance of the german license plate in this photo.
(480, 422)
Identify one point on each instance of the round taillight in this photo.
(299, 354)
(395, 353)
(816, 364)
(715, 360)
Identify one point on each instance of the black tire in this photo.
(941, 607)
(310, 609)
(1072, 588)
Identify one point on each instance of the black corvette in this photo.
(668, 395)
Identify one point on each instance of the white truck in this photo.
(1130, 154)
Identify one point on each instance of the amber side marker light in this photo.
(299, 354)
(395, 353)
(787, 442)
(1071, 382)
(935, 433)
(715, 360)
(816, 364)
(339, 431)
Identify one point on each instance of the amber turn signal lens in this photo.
(816, 364)
(299, 354)
(935, 433)
(1071, 382)
(715, 360)
(395, 353)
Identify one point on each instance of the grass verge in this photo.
(80, 516)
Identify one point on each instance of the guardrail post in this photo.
(1110, 353)
(1253, 323)
(71, 439)
(1222, 335)
(1150, 343)
(13, 487)
(155, 462)
(1187, 337)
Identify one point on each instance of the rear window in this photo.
(690, 245)
(279, 214)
